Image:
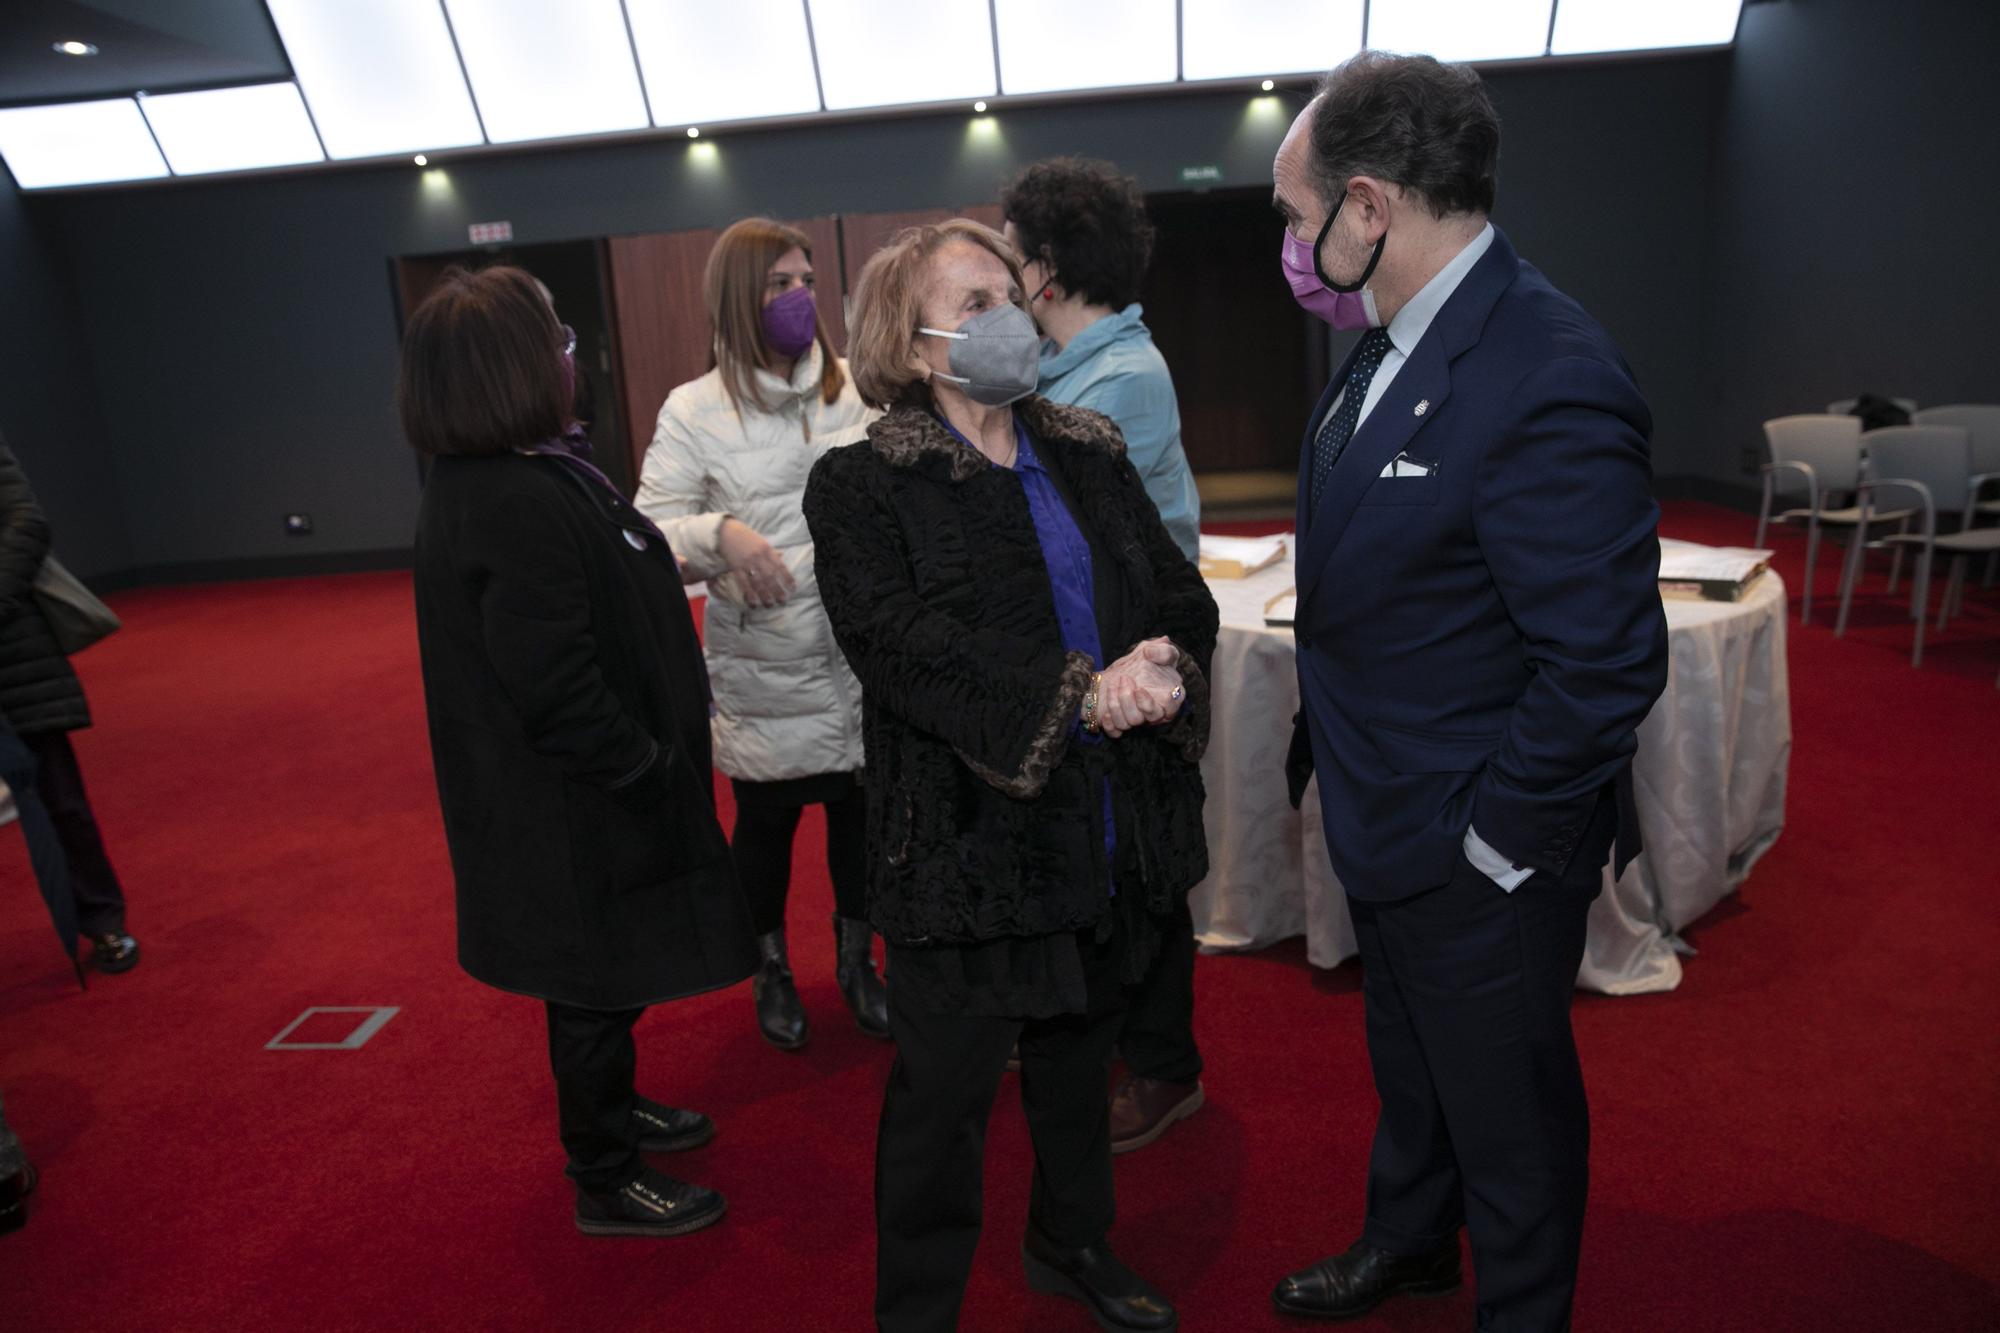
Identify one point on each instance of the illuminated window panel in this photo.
(1056, 45)
(1460, 29)
(1247, 39)
(78, 143)
(381, 76)
(549, 69)
(1584, 26)
(233, 129)
(898, 52)
(707, 61)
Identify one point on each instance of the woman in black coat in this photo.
(42, 701)
(1032, 649)
(568, 712)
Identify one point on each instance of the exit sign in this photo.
(491, 233)
(1204, 175)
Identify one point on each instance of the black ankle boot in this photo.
(854, 945)
(14, 1192)
(780, 1016)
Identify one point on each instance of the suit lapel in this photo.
(1425, 378)
(1319, 412)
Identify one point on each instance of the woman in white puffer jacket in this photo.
(724, 479)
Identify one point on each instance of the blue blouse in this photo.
(1072, 577)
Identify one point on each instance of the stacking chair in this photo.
(1825, 451)
(1932, 465)
(1980, 421)
(1840, 407)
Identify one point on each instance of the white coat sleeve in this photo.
(674, 492)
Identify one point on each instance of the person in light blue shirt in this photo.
(1081, 232)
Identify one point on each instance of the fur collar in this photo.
(908, 435)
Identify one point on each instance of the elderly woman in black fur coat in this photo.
(1032, 648)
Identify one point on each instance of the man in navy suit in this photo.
(1479, 636)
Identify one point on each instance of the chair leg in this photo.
(1850, 574)
(1923, 585)
(1763, 513)
(1896, 556)
(1812, 559)
(1948, 604)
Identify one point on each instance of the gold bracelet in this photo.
(1090, 704)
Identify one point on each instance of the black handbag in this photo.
(74, 614)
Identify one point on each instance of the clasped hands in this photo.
(1141, 689)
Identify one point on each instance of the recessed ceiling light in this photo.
(76, 48)
(694, 131)
(421, 160)
(1268, 85)
(980, 107)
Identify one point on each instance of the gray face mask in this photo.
(996, 356)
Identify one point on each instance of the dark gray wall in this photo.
(1853, 214)
(243, 332)
(48, 410)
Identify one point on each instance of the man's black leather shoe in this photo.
(1356, 1282)
(115, 952)
(652, 1205)
(14, 1192)
(668, 1128)
(1117, 1297)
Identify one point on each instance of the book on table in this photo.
(1693, 572)
(1239, 557)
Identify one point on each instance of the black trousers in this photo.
(1483, 1123)
(100, 899)
(762, 843)
(595, 1062)
(930, 1148)
(1157, 1040)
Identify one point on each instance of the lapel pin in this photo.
(1423, 406)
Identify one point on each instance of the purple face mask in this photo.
(791, 321)
(1343, 310)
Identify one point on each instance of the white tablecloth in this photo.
(1710, 777)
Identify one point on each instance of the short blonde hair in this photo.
(889, 307)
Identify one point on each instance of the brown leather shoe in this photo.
(1142, 1109)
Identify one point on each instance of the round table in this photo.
(1709, 774)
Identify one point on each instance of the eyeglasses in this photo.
(569, 340)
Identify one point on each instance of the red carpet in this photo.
(1806, 1135)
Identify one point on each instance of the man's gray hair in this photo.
(1411, 121)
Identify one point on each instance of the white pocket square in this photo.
(1402, 465)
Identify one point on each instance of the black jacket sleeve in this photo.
(534, 607)
(1004, 705)
(24, 537)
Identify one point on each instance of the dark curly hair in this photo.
(1413, 122)
(1087, 221)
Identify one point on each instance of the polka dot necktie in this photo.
(1339, 428)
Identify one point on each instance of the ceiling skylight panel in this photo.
(381, 76)
(549, 69)
(1460, 29)
(897, 52)
(233, 129)
(717, 60)
(1057, 45)
(1630, 25)
(78, 143)
(1247, 39)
